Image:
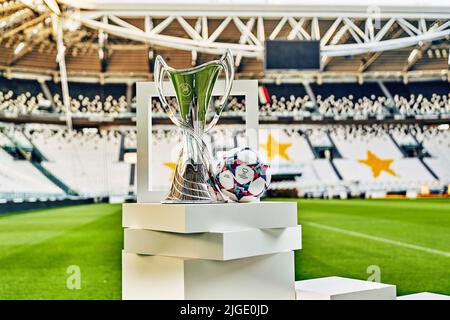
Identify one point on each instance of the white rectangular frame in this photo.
(146, 91)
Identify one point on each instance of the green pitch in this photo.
(407, 241)
(37, 248)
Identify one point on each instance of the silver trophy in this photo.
(193, 180)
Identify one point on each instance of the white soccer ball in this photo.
(242, 176)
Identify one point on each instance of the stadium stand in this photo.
(19, 178)
(331, 100)
(324, 159)
(371, 160)
(340, 90)
(352, 142)
(86, 161)
(334, 160)
(85, 105)
(437, 143)
(425, 88)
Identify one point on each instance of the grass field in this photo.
(408, 240)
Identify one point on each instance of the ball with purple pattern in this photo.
(242, 176)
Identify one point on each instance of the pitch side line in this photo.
(379, 239)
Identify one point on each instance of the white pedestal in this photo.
(424, 296)
(157, 277)
(191, 218)
(338, 288)
(224, 245)
(210, 251)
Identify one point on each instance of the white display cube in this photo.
(424, 296)
(339, 288)
(193, 218)
(225, 245)
(157, 277)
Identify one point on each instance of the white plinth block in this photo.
(424, 296)
(338, 288)
(224, 245)
(158, 277)
(191, 218)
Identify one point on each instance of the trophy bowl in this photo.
(193, 179)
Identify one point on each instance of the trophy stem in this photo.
(191, 177)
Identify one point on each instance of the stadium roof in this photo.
(261, 5)
(115, 41)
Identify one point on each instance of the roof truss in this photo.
(341, 35)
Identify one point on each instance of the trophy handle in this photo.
(160, 70)
(227, 64)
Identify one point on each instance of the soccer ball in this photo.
(242, 176)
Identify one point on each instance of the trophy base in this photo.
(190, 184)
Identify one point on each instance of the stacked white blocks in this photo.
(209, 251)
(339, 288)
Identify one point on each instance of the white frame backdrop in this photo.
(145, 91)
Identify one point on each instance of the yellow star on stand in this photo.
(274, 148)
(172, 166)
(378, 165)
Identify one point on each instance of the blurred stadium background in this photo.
(371, 122)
